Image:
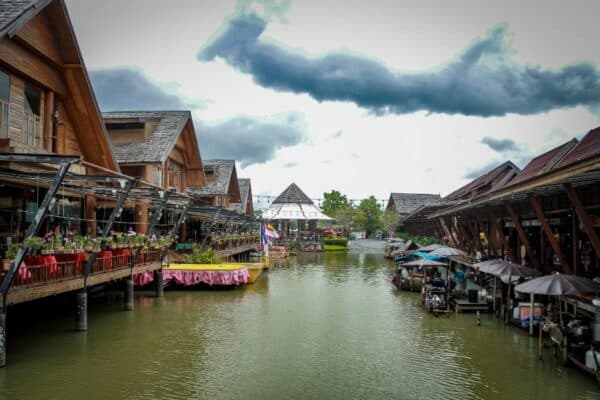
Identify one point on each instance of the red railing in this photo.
(34, 272)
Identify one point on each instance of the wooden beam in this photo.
(522, 235)
(583, 217)
(497, 229)
(447, 232)
(537, 207)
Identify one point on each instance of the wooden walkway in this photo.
(236, 250)
(21, 294)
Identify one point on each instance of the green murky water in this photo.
(323, 327)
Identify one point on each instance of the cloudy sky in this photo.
(362, 97)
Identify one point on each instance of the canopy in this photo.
(447, 252)
(504, 269)
(423, 262)
(558, 285)
(431, 247)
(295, 211)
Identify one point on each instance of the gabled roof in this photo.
(223, 171)
(544, 162)
(491, 180)
(406, 203)
(16, 13)
(588, 147)
(158, 144)
(293, 195)
(242, 206)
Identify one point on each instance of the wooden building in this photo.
(46, 104)
(546, 216)
(246, 205)
(405, 203)
(222, 187)
(159, 146)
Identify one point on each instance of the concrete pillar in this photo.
(159, 284)
(81, 311)
(128, 294)
(2, 338)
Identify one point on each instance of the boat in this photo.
(434, 296)
(278, 252)
(408, 278)
(255, 270)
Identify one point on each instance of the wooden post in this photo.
(81, 311)
(48, 121)
(575, 240)
(128, 287)
(531, 295)
(522, 235)
(3, 337)
(447, 232)
(583, 218)
(505, 243)
(537, 207)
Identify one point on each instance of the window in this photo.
(4, 101)
(31, 125)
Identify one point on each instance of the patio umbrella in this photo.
(447, 252)
(505, 269)
(558, 285)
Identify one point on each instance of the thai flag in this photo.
(263, 235)
(271, 233)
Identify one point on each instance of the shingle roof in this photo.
(293, 195)
(159, 143)
(544, 162)
(405, 203)
(15, 13)
(223, 170)
(491, 180)
(242, 207)
(588, 146)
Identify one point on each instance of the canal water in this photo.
(322, 326)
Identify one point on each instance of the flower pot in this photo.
(6, 264)
(46, 252)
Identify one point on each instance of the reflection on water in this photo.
(315, 326)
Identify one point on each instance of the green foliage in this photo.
(34, 243)
(330, 247)
(294, 245)
(336, 241)
(12, 250)
(202, 257)
(369, 216)
(390, 220)
(334, 202)
(420, 240)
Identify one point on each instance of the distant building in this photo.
(405, 203)
(222, 187)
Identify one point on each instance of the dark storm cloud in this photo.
(127, 89)
(246, 139)
(249, 140)
(500, 145)
(481, 81)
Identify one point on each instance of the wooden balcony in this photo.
(53, 277)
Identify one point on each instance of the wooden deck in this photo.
(21, 294)
(463, 305)
(236, 250)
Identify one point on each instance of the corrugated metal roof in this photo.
(405, 203)
(492, 180)
(588, 147)
(545, 162)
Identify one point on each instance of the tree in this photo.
(390, 220)
(369, 216)
(334, 202)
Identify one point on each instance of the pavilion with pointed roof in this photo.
(294, 205)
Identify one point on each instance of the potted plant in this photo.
(57, 244)
(88, 244)
(10, 254)
(34, 243)
(47, 247)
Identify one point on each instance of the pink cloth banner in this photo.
(191, 278)
(143, 279)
